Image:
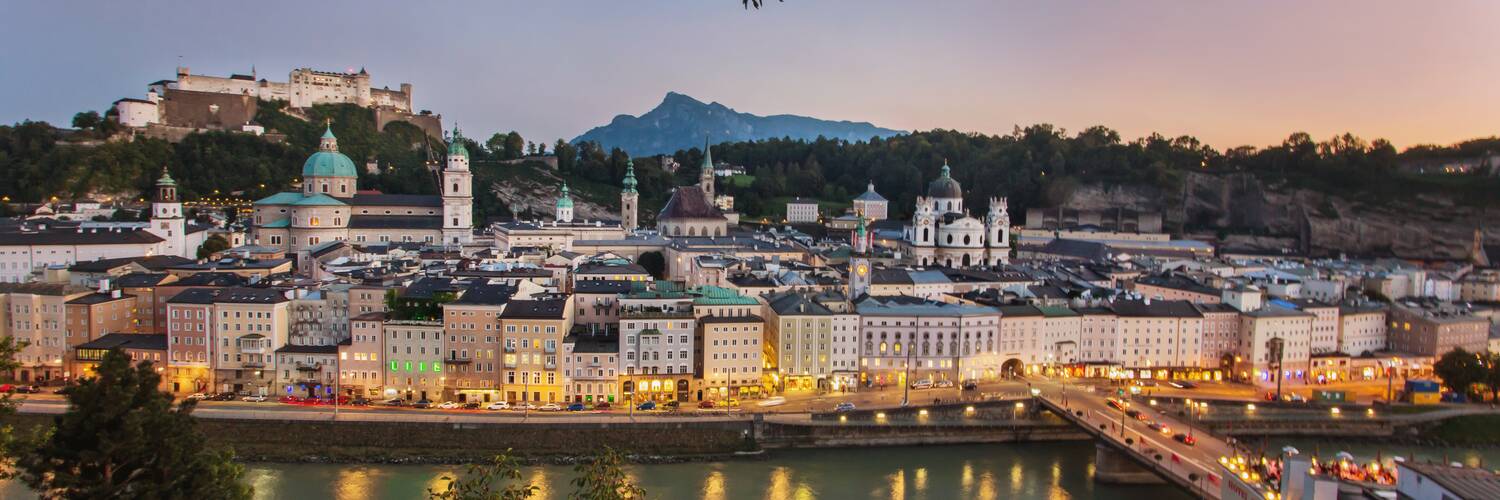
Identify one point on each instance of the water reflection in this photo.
(780, 486)
(966, 478)
(987, 489)
(897, 481)
(713, 486)
(354, 483)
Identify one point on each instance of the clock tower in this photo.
(859, 260)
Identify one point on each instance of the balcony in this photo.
(252, 349)
(253, 364)
(510, 348)
(550, 349)
(309, 367)
(459, 360)
(510, 364)
(551, 366)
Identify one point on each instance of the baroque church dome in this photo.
(945, 186)
(328, 161)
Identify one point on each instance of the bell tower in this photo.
(629, 198)
(997, 232)
(859, 260)
(167, 221)
(458, 194)
(706, 175)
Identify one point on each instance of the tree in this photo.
(9, 346)
(498, 480)
(121, 437)
(654, 262)
(212, 245)
(513, 147)
(86, 120)
(1460, 370)
(1492, 375)
(602, 478)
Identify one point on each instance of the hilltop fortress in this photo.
(194, 103)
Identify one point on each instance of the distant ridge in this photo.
(682, 122)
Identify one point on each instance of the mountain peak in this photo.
(682, 122)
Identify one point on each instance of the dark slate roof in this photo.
(601, 286)
(154, 263)
(689, 202)
(210, 279)
(1077, 249)
(99, 298)
(137, 280)
(793, 303)
(1469, 483)
(486, 294)
(536, 309)
(146, 341)
(41, 288)
(242, 295)
(891, 277)
(308, 349)
(1179, 283)
(73, 237)
(1216, 308)
(403, 200)
(1021, 310)
(370, 316)
(424, 288)
(194, 296)
(1155, 308)
(594, 344)
(395, 222)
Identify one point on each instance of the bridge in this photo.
(1120, 440)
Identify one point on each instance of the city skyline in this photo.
(1228, 75)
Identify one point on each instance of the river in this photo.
(1021, 471)
(1033, 470)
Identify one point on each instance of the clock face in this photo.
(862, 270)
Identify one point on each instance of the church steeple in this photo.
(706, 175)
(629, 198)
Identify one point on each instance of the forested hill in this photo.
(681, 122)
(1042, 165)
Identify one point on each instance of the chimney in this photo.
(114, 294)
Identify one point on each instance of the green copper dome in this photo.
(565, 201)
(456, 147)
(328, 161)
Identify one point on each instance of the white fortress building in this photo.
(941, 233)
(330, 209)
(304, 88)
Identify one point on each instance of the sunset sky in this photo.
(1230, 73)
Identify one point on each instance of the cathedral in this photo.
(330, 208)
(942, 233)
(691, 210)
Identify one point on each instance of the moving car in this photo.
(1185, 439)
(1116, 404)
(1179, 384)
(254, 398)
(576, 407)
(672, 405)
(550, 407)
(646, 406)
(602, 405)
(395, 402)
(921, 384)
(422, 404)
(1133, 413)
(843, 407)
(450, 405)
(970, 385)
(943, 384)
(772, 401)
(288, 399)
(733, 403)
(498, 405)
(223, 396)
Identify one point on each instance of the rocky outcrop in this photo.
(535, 195)
(1320, 223)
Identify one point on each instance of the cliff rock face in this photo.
(1320, 223)
(535, 196)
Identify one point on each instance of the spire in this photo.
(947, 172)
(629, 183)
(328, 142)
(166, 178)
(708, 158)
(456, 144)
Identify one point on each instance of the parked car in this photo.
(1185, 439)
(733, 403)
(223, 396)
(970, 385)
(395, 402)
(1133, 413)
(422, 404)
(772, 401)
(646, 406)
(706, 404)
(576, 407)
(943, 384)
(1181, 384)
(602, 405)
(288, 399)
(1146, 383)
(254, 398)
(471, 406)
(844, 407)
(921, 384)
(671, 405)
(551, 407)
(360, 402)
(498, 405)
(525, 405)
(28, 389)
(450, 405)
(198, 396)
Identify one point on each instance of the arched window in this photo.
(926, 234)
(312, 221)
(882, 347)
(324, 186)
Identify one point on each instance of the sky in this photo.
(1229, 73)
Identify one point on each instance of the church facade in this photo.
(330, 208)
(691, 210)
(942, 233)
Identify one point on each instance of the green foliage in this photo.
(213, 244)
(655, 263)
(399, 307)
(86, 120)
(1460, 370)
(121, 437)
(498, 480)
(603, 478)
(9, 347)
